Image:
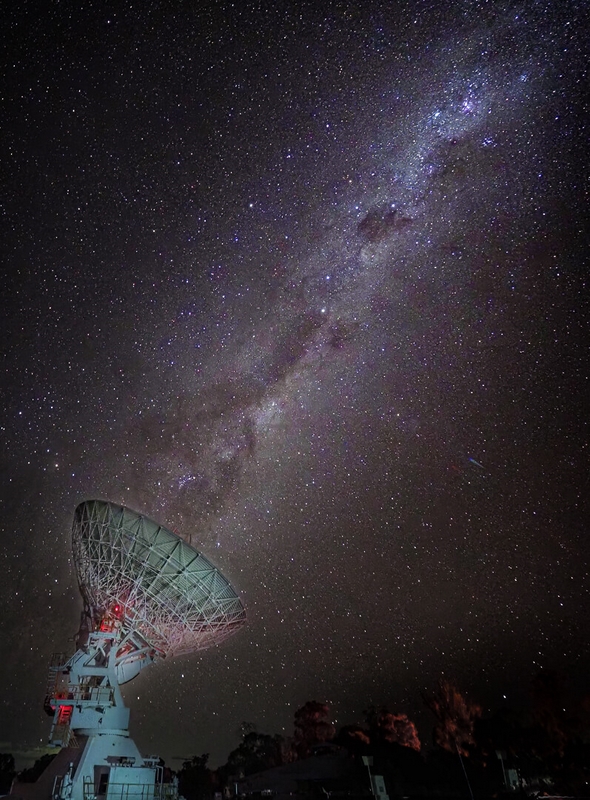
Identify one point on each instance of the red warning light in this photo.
(65, 713)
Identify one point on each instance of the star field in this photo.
(308, 285)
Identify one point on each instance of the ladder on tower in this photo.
(55, 679)
(61, 734)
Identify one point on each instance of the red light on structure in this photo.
(117, 610)
(65, 712)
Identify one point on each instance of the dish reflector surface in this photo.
(159, 586)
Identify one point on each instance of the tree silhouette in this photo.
(312, 726)
(7, 772)
(31, 774)
(455, 722)
(549, 713)
(355, 740)
(256, 753)
(455, 718)
(195, 778)
(393, 728)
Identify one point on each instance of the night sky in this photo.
(306, 283)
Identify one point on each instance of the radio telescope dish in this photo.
(147, 595)
(161, 590)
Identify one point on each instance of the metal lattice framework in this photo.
(161, 587)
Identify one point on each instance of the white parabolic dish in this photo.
(159, 586)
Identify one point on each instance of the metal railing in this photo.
(131, 791)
